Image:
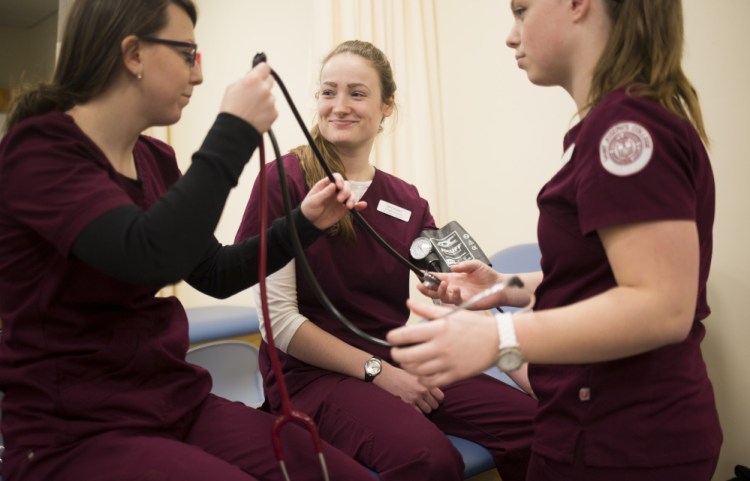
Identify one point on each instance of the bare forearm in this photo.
(652, 304)
(656, 269)
(619, 323)
(316, 347)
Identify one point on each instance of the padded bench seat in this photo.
(211, 323)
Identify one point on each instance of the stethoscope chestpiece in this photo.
(430, 281)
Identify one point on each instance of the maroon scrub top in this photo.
(628, 161)
(81, 352)
(345, 269)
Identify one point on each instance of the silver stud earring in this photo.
(139, 76)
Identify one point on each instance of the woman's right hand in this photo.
(465, 281)
(250, 98)
(446, 349)
(327, 203)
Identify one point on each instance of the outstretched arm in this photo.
(653, 304)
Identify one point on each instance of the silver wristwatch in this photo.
(372, 368)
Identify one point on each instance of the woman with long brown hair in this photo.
(625, 230)
(95, 218)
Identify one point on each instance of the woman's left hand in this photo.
(445, 350)
(323, 206)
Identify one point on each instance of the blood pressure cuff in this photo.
(438, 250)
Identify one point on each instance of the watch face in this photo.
(372, 367)
(420, 247)
(510, 359)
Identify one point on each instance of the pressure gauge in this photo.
(420, 247)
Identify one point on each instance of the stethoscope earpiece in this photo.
(259, 57)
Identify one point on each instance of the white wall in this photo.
(505, 141)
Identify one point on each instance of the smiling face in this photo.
(168, 76)
(350, 104)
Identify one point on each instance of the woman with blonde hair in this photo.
(364, 403)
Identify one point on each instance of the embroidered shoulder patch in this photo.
(626, 149)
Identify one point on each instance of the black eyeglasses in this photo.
(190, 55)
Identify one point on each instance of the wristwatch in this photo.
(509, 356)
(372, 368)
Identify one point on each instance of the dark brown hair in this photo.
(644, 52)
(312, 169)
(90, 53)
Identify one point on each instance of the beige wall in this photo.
(721, 72)
(229, 34)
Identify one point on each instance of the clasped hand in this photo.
(448, 349)
(407, 387)
(324, 206)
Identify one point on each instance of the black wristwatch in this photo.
(372, 368)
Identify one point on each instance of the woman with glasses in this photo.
(625, 230)
(95, 218)
(363, 402)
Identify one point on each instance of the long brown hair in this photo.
(644, 52)
(90, 54)
(310, 166)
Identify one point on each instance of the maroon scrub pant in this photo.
(400, 443)
(542, 468)
(227, 441)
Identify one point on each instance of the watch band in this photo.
(506, 330)
(509, 355)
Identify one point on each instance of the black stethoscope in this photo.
(288, 414)
(418, 251)
(426, 277)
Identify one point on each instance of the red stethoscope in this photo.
(288, 414)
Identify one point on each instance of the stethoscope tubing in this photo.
(298, 249)
(289, 415)
(357, 216)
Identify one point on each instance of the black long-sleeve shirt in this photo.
(173, 239)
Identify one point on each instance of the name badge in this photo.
(394, 211)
